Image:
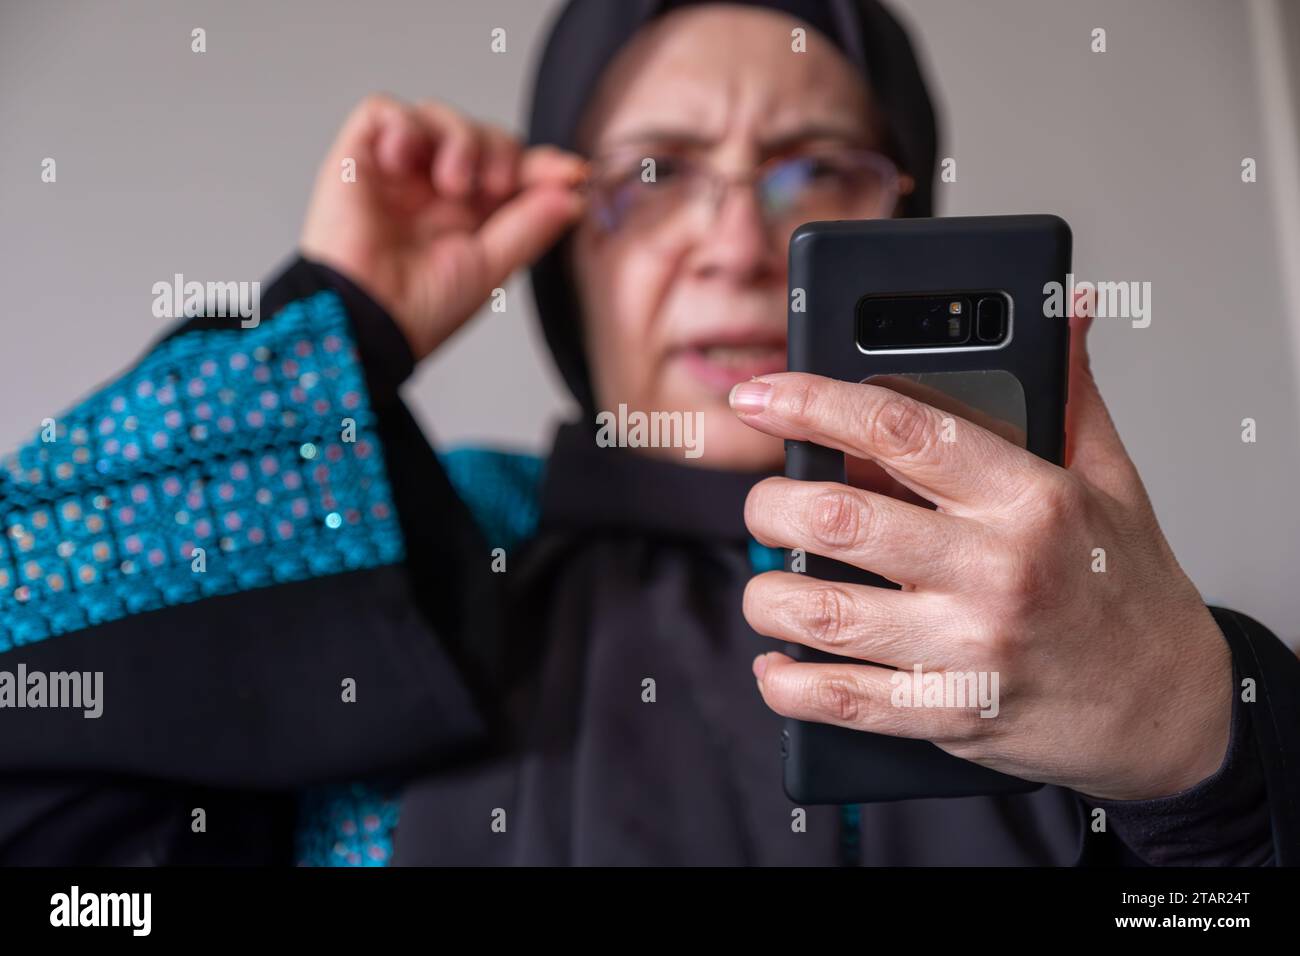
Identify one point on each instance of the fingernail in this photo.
(760, 668)
(751, 396)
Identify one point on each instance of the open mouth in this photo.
(720, 365)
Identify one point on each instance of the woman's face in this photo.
(675, 316)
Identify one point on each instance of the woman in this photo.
(344, 649)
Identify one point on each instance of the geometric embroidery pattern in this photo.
(226, 440)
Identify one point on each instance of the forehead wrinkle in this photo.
(643, 88)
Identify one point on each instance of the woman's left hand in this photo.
(1116, 683)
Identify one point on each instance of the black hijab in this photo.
(589, 33)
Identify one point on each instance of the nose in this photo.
(737, 244)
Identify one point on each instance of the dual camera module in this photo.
(933, 321)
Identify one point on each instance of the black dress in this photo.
(474, 657)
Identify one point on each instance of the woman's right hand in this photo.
(442, 210)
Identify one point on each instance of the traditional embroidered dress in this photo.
(481, 697)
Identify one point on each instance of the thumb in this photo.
(524, 227)
(1093, 448)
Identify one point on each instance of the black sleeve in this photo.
(232, 533)
(1248, 812)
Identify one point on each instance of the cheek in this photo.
(622, 293)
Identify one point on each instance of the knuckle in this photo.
(999, 642)
(827, 616)
(965, 733)
(983, 634)
(902, 428)
(1031, 584)
(838, 519)
(1025, 575)
(1032, 570)
(1058, 502)
(837, 698)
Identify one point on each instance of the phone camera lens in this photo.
(991, 319)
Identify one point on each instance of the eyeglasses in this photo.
(663, 193)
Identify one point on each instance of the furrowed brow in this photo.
(851, 135)
(657, 136)
(677, 136)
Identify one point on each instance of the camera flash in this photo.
(954, 308)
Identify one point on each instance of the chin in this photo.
(731, 445)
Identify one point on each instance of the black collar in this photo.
(591, 488)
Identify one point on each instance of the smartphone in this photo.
(959, 313)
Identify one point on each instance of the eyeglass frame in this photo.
(899, 184)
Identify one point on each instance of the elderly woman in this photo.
(322, 642)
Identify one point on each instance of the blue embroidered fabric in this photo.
(501, 489)
(347, 825)
(223, 461)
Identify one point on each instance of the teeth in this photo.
(738, 354)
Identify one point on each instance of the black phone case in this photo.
(836, 264)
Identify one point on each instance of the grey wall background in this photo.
(170, 162)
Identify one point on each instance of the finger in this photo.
(384, 133)
(943, 401)
(548, 164)
(866, 474)
(403, 146)
(499, 163)
(1093, 448)
(903, 542)
(459, 142)
(524, 227)
(1080, 364)
(898, 628)
(862, 472)
(857, 696)
(367, 116)
(961, 467)
(455, 165)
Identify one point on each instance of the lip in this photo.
(720, 377)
